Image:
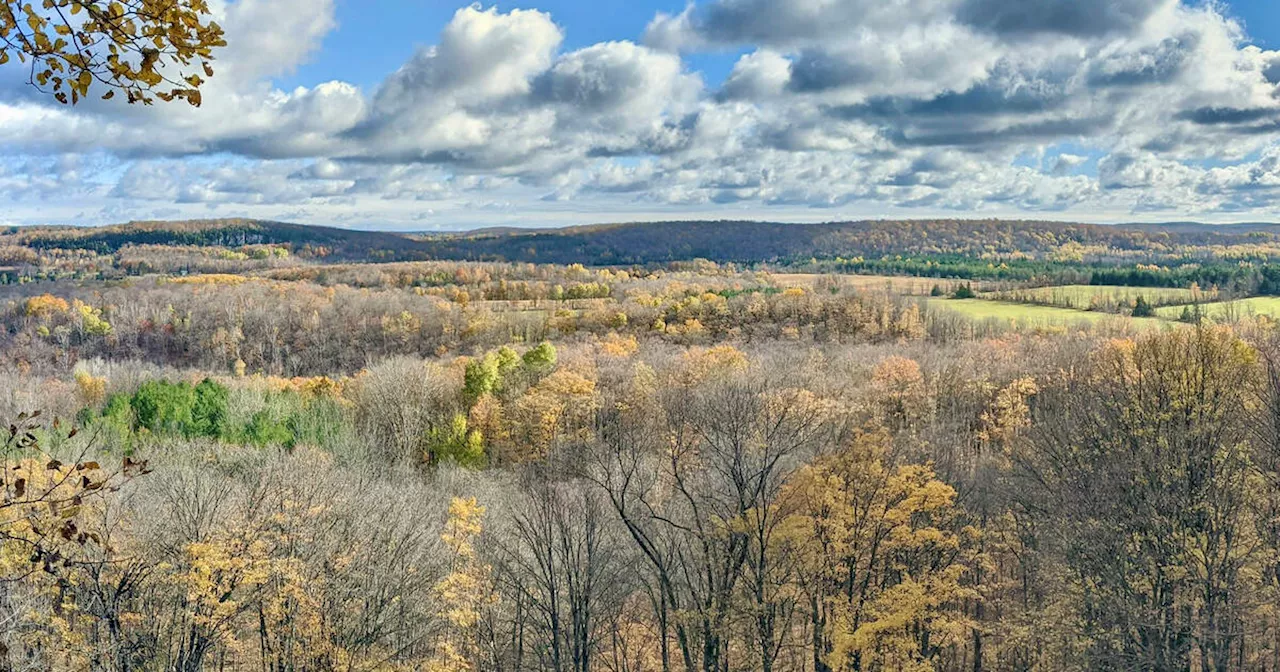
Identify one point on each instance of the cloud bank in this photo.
(1080, 109)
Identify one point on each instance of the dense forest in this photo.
(662, 242)
(231, 451)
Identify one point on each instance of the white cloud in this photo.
(272, 37)
(850, 106)
(758, 75)
(615, 81)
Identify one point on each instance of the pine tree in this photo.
(1141, 308)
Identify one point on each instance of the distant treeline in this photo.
(1259, 279)
(959, 267)
(664, 242)
(1237, 278)
(231, 233)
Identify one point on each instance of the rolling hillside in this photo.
(656, 242)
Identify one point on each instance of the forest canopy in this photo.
(262, 446)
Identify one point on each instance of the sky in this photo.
(431, 115)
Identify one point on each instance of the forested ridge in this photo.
(658, 242)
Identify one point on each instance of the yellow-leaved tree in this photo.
(881, 555)
(42, 498)
(146, 49)
(51, 500)
(463, 592)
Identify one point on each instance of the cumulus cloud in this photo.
(483, 56)
(852, 105)
(1064, 163)
(1082, 18)
(614, 80)
(273, 36)
(791, 24)
(758, 75)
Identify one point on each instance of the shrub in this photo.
(456, 443)
(508, 361)
(209, 410)
(91, 320)
(118, 411)
(541, 358)
(265, 430)
(321, 421)
(117, 422)
(92, 389)
(1141, 308)
(174, 408)
(45, 305)
(162, 406)
(481, 377)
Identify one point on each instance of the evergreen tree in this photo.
(1141, 308)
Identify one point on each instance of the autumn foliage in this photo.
(283, 464)
(146, 49)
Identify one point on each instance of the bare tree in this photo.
(562, 561)
(698, 503)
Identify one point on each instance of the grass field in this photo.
(1226, 311)
(1028, 315)
(1082, 297)
(898, 284)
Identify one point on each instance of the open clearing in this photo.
(898, 284)
(1028, 315)
(1081, 297)
(1227, 311)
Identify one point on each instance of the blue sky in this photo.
(435, 115)
(1261, 18)
(374, 37)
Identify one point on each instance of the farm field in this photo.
(1229, 310)
(898, 284)
(1028, 315)
(1083, 297)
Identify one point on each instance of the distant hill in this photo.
(738, 241)
(215, 232)
(1198, 227)
(657, 242)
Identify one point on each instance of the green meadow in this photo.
(1228, 311)
(1085, 297)
(1027, 315)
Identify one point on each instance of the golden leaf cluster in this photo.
(146, 49)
